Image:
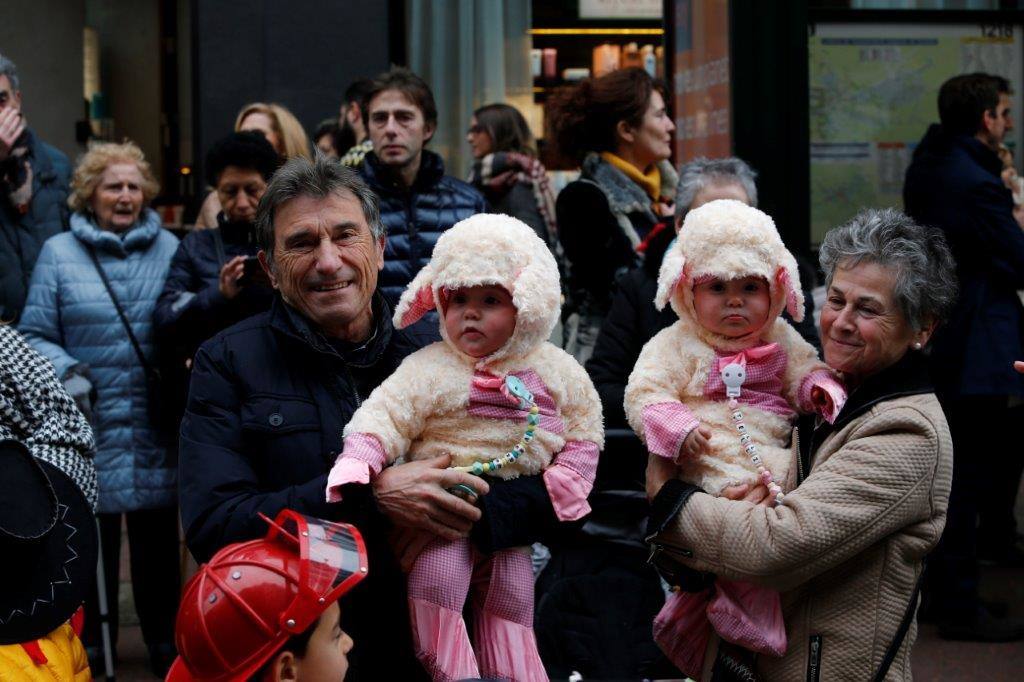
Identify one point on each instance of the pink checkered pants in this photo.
(501, 588)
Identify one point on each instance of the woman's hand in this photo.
(757, 494)
(229, 276)
(659, 472)
(415, 495)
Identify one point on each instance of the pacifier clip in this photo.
(733, 376)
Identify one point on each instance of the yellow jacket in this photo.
(65, 660)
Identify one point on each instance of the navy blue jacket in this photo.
(191, 308)
(416, 217)
(953, 184)
(267, 404)
(22, 235)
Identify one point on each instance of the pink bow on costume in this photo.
(754, 356)
(489, 397)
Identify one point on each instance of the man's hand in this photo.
(12, 125)
(229, 276)
(757, 494)
(659, 472)
(415, 495)
(696, 443)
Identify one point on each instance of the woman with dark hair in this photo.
(618, 127)
(507, 171)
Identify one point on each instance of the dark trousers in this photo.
(156, 574)
(986, 474)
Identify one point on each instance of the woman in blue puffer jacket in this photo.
(71, 318)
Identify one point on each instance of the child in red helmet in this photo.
(267, 609)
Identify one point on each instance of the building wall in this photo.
(301, 53)
(46, 45)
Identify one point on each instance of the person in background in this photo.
(418, 202)
(868, 492)
(90, 312)
(282, 130)
(33, 194)
(506, 169)
(330, 140)
(618, 128)
(215, 279)
(352, 116)
(954, 183)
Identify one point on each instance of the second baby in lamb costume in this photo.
(502, 401)
(717, 392)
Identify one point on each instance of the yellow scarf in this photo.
(650, 182)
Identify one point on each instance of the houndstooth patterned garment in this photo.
(37, 411)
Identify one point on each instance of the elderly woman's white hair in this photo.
(925, 287)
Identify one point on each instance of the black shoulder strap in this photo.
(120, 310)
(901, 633)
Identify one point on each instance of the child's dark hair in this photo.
(297, 644)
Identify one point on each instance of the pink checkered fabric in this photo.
(824, 380)
(502, 583)
(762, 387)
(666, 426)
(366, 448)
(487, 399)
(580, 456)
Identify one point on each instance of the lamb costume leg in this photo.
(442, 401)
(680, 382)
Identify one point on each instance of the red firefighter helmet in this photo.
(252, 596)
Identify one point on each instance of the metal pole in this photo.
(101, 580)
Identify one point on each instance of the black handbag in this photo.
(161, 418)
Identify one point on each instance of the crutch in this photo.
(101, 584)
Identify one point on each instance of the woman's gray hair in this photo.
(318, 178)
(925, 288)
(701, 172)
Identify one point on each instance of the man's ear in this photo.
(428, 131)
(267, 267)
(625, 131)
(380, 252)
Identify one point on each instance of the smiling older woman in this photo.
(869, 492)
(71, 318)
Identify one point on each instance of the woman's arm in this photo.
(880, 481)
(41, 320)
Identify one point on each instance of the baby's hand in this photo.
(695, 444)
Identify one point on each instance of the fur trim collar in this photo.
(624, 195)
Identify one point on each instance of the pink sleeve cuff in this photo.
(362, 457)
(835, 394)
(570, 479)
(666, 426)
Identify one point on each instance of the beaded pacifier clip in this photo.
(733, 376)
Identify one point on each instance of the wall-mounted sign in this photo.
(620, 9)
(700, 85)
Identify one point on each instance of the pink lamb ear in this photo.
(794, 302)
(418, 307)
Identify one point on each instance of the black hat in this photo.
(48, 545)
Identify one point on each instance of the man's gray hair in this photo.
(318, 178)
(925, 271)
(7, 68)
(701, 172)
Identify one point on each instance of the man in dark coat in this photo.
(270, 396)
(954, 184)
(34, 181)
(417, 200)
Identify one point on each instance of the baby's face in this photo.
(479, 320)
(732, 308)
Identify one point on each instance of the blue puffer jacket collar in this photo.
(430, 173)
(137, 238)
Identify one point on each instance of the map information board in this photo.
(873, 94)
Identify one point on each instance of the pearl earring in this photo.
(917, 345)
